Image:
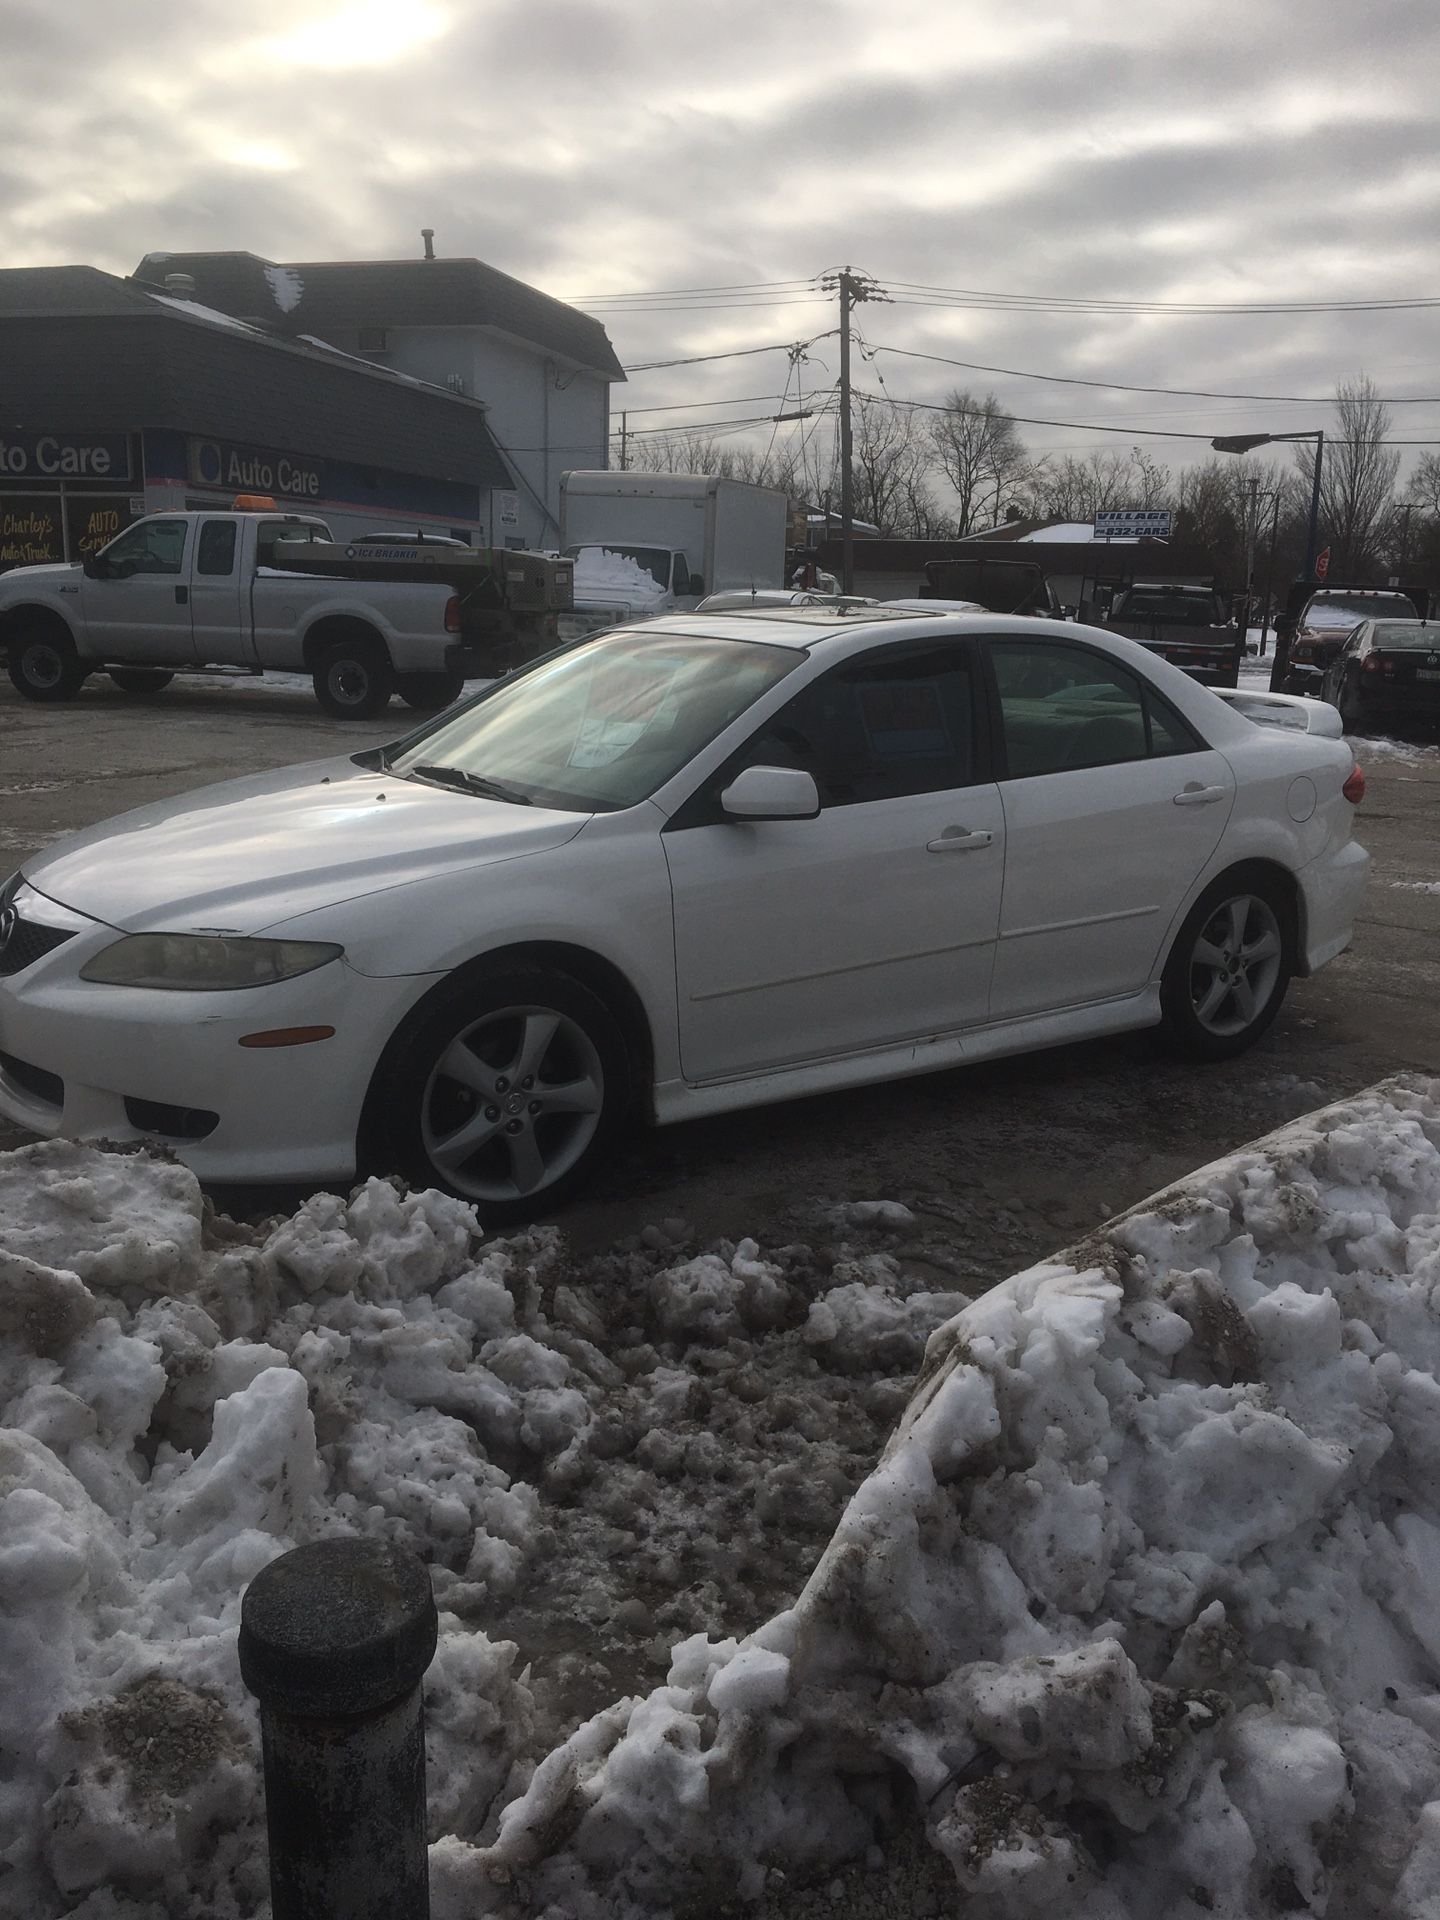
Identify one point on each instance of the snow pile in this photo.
(1136, 1612)
(1138, 1606)
(593, 1461)
(607, 576)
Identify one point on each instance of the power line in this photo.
(1122, 386)
(734, 400)
(731, 353)
(1091, 426)
(657, 293)
(909, 292)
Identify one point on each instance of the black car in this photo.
(1327, 621)
(1387, 675)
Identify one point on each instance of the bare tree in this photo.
(1357, 478)
(888, 462)
(982, 456)
(1072, 488)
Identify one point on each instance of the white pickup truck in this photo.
(192, 592)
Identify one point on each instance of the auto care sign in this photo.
(64, 456)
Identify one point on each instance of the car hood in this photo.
(48, 573)
(251, 853)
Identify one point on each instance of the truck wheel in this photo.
(429, 692)
(44, 665)
(354, 679)
(140, 679)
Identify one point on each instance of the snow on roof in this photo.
(1138, 1601)
(1075, 533)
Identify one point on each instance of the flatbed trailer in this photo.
(511, 600)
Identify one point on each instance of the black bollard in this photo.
(334, 1641)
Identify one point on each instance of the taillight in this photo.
(452, 614)
(1354, 787)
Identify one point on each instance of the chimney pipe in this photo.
(180, 286)
(427, 234)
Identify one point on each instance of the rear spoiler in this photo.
(1291, 711)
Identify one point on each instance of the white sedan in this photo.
(693, 866)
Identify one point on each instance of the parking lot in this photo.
(1001, 1163)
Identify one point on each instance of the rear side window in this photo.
(216, 552)
(1063, 708)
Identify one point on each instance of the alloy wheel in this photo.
(1235, 965)
(512, 1103)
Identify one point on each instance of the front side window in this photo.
(152, 546)
(1063, 708)
(878, 728)
(604, 724)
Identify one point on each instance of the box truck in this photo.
(647, 543)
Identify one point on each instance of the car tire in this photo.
(353, 678)
(1229, 968)
(140, 679)
(43, 663)
(464, 1090)
(429, 692)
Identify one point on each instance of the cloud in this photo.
(1225, 153)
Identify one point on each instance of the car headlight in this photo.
(204, 962)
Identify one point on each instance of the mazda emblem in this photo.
(9, 920)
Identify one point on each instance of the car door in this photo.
(221, 631)
(137, 607)
(1112, 806)
(871, 924)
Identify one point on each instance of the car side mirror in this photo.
(93, 567)
(771, 793)
(697, 585)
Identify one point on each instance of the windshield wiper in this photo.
(471, 783)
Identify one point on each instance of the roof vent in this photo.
(181, 285)
(427, 234)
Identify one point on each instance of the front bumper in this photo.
(123, 1063)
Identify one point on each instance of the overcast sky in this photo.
(1216, 151)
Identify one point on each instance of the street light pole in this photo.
(1243, 443)
(1312, 538)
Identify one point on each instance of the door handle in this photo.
(1197, 796)
(182, 594)
(958, 840)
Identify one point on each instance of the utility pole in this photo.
(1252, 517)
(852, 288)
(624, 441)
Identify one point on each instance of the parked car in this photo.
(684, 868)
(1386, 674)
(1187, 625)
(1325, 623)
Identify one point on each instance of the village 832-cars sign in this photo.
(1134, 523)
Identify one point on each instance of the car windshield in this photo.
(1348, 612)
(601, 726)
(1403, 633)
